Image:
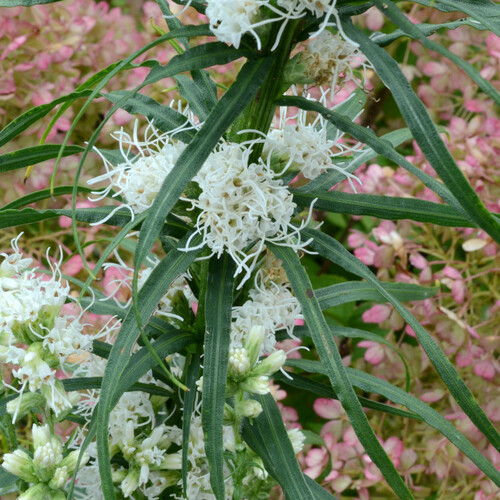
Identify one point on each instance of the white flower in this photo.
(297, 439)
(271, 305)
(14, 263)
(308, 147)
(243, 206)
(231, 19)
(139, 178)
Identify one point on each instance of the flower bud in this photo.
(131, 482)
(29, 401)
(249, 408)
(256, 385)
(172, 461)
(271, 364)
(71, 460)
(253, 343)
(297, 439)
(41, 491)
(239, 363)
(21, 465)
(61, 475)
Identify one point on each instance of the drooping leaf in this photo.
(33, 155)
(331, 360)
(424, 131)
(398, 18)
(331, 249)
(383, 207)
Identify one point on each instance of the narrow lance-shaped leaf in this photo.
(192, 158)
(156, 286)
(192, 374)
(331, 360)
(398, 18)
(484, 11)
(383, 207)
(33, 155)
(370, 383)
(219, 300)
(424, 131)
(331, 249)
(267, 436)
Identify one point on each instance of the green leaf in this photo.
(6, 478)
(160, 279)
(326, 391)
(33, 155)
(193, 371)
(10, 218)
(200, 92)
(370, 383)
(331, 249)
(215, 361)
(24, 3)
(383, 207)
(484, 11)
(267, 437)
(198, 57)
(398, 18)
(353, 291)
(424, 131)
(43, 194)
(232, 103)
(163, 118)
(384, 39)
(331, 360)
(355, 333)
(22, 122)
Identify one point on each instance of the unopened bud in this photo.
(271, 364)
(249, 408)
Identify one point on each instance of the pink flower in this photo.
(377, 313)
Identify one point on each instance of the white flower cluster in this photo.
(270, 304)
(132, 434)
(242, 205)
(146, 165)
(30, 313)
(306, 146)
(231, 19)
(123, 281)
(48, 471)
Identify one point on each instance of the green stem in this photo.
(259, 114)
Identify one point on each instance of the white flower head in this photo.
(146, 164)
(13, 263)
(231, 19)
(271, 305)
(307, 146)
(243, 206)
